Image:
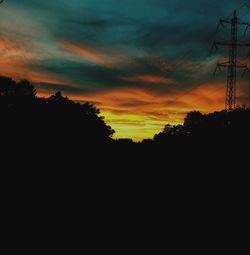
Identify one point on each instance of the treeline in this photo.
(27, 118)
(218, 128)
(57, 121)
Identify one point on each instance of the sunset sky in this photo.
(143, 63)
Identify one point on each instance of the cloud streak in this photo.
(144, 62)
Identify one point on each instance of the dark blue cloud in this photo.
(182, 30)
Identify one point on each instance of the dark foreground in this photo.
(58, 130)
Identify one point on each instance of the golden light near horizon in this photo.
(138, 123)
(127, 58)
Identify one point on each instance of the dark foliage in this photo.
(60, 143)
(209, 128)
(26, 118)
(57, 125)
(219, 139)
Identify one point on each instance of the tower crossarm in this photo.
(243, 23)
(225, 21)
(227, 64)
(243, 44)
(229, 44)
(233, 64)
(238, 22)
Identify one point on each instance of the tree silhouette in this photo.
(218, 128)
(193, 118)
(25, 89)
(57, 122)
(56, 118)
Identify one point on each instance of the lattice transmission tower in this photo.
(232, 64)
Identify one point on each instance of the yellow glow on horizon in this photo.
(137, 113)
(138, 122)
(132, 126)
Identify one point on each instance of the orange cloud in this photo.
(140, 114)
(133, 112)
(16, 61)
(104, 57)
(149, 79)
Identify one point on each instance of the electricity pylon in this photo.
(232, 64)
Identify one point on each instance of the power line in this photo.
(247, 4)
(232, 64)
